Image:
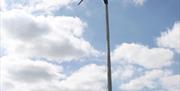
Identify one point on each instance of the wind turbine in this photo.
(107, 45)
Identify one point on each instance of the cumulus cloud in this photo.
(171, 38)
(27, 36)
(88, 78)
(2, 4)
(142, 55)
(53, 37)
(135, 2)
(23, 26)
(123, 72)
(138, 2)
(148, 80)
(36, 5)
(28, 75)
(171, 83)
(18, 72)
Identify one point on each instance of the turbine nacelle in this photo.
(105, 2)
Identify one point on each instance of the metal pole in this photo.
(108, 47)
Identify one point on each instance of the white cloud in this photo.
(2, 4)
(139, 2)
(54, 37)
(148, 80)
(27, 35)
(171, 38)
(123, 72)
(17, 73)
(171, 83)
(143, 56)
(135, 2)
(21, 74)
(88, 78)
(36, 5)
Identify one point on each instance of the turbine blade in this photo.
(80, 2)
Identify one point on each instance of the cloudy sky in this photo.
(55, 45)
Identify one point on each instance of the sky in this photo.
(56, 45)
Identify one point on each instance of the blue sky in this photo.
(130, 23)
(55, 45)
